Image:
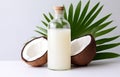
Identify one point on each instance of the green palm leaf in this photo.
(107, 46)
(41, 33)
(91, 13)
(51, 16)
(77, 13)
(104, 40)
(83, 14)
(93, 17)
(46, 24)
(82, 22)
(91, 29)
(83, 32)
(48, 20)
(70, 14)
(97, 23)
(79, 26)
(106, 55)
(102, 26)
(75, 20)
(65, 14)
(42, 29)
(104, 32)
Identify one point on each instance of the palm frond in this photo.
(105, 40)
(70, 14)
(85, 25)
(45, 24)
(82, 16)
(42, 29)
(93, 17)
(90, 13)
(98, 34)
(82, 22)
(84, 12)
(45, 16)
(65, 13)
(41, 33)
(77, 13)
(107, 46)
(91, 27)
(102, 26)
(105, 55)
(51, 16)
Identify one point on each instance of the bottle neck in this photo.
(59, 15)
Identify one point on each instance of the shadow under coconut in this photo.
(78, 66)
(98, 63)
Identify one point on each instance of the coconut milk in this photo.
(59, 49)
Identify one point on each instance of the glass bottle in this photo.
(59, 41)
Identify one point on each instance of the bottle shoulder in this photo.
(59, 23)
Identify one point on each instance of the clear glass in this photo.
(59, 22)
(59, 43)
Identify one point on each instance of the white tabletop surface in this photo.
(104, 68)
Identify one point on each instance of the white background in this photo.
(102, 68)
(18, 19)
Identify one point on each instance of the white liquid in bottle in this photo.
(59, 49)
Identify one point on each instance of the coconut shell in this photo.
(39, 61)
(85, 57)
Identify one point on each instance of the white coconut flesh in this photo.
(35, 49)
(78, 45)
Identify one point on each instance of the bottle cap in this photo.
(58, 9)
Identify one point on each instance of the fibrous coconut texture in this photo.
(83, 50)
(34, 52)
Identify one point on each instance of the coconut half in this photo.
(83, 50)
(34, 52)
